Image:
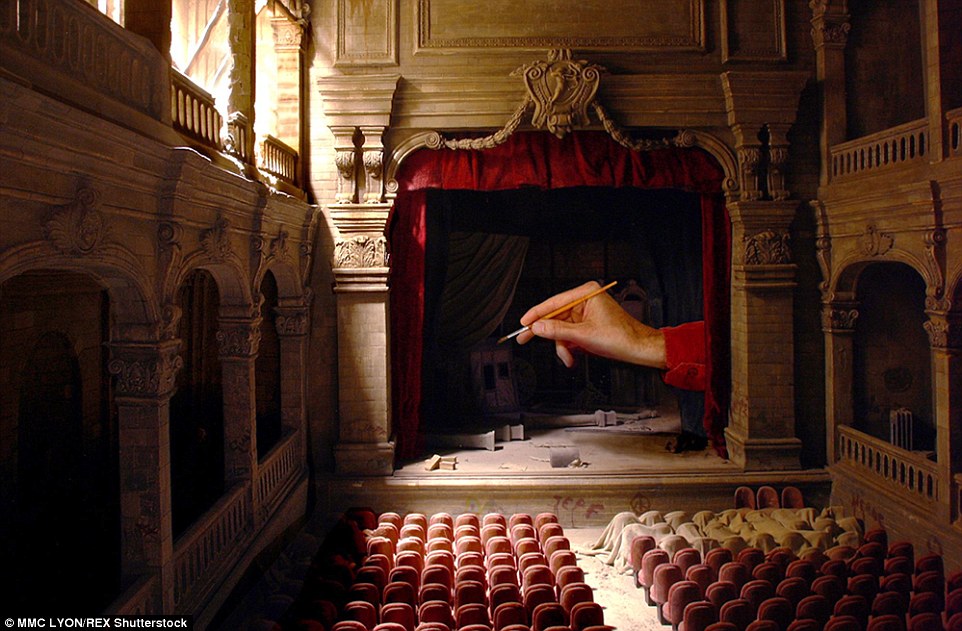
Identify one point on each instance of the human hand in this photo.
(598, 326)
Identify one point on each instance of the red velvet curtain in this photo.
(541, 160)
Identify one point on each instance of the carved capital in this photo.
(144, 371)
(291, 322)
(78, 228)
(361, 251)
(831, 34)
(838, 318)
(768, 247)
(238, 338)
(749, 159)
(874, 242)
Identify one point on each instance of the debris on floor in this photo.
(449, 463)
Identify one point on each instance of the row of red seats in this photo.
(469, 573)
(779, 587)
(768, 497)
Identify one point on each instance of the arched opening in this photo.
(267, 369)
(892, 380)
(197, 407)
(59, 437)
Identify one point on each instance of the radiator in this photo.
(900, 428)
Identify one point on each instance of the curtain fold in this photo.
(543, 161)
(483, 271)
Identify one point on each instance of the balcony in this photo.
(906, 474)
(881, 151)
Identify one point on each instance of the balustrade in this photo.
(954, 120)
(906, 473)
(193, 112)
(211, 540)
(905, 143)
(278, 159)
(278, 467)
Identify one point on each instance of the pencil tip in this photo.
(503, 340)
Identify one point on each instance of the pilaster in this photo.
(238, 339)
(289, 52)
(838, 326)
(363, 340)
(240, 100)
(144, 375)
(830, 27)
(761, 430)
(292, 325)
(945, 340)
(372, 152)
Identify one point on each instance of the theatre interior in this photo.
(256, 257)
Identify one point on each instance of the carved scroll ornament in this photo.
(839, 319)
(560, 91)
(215, 241)
(78, 228)
(145, 374)
(874, 242)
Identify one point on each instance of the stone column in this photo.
(289, 52)
(761, 431)
(240, 100)
(945, 340)
(777, 160)
(143, 384)
(838, 325)
(830, 27)
(292, 323)
(238, 338)
(363, 342)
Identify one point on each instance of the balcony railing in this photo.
(79, 43)
(908, 474)
(211, 541)
(954, 120)
(898, 145)
(280, 465)
(278, 159)
(193, 112)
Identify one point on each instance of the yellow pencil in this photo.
(560, 310)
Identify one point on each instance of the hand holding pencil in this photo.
(586, 318)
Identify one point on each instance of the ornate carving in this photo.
(561, 90)
(874, 242)
(78, 228)
(823, 246)
(291, 321)
(768, 248)
(361, 251)
(170, 315)
(436, 141)
(147, 372)
(838, 319)
(934, 241)
(938, 331)
(215, 241)
(831, 34)
(344, 160)
(373, 167)
(238, 339)
(279, 248)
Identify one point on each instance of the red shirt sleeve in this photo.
(685, 355)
